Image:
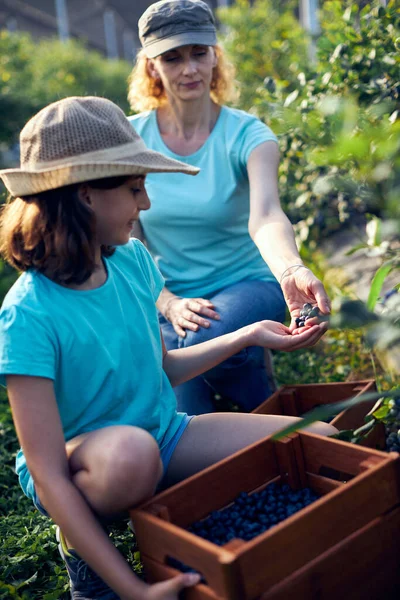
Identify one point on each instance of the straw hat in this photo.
(80, 139)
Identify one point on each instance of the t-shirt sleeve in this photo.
(26, 345)
(152, 273)
(253, 134)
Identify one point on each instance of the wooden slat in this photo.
(288, 399)
(311, 395)
(287, 462)
(376, 438)
(322, 485)
(299, 458)
(271, 406)
(335, 454)
(354, 417)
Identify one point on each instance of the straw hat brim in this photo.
(21, 182)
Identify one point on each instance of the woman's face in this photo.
(116, 210)
(185, 72)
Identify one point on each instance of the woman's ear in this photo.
(84, 194)
(151, 69)
(215, 58)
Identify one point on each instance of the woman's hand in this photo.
(185, 313)
(301, 286)
(170, 589)
(276, 336)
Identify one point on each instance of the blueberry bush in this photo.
(34, 73)
(337, 118)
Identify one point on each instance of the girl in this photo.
(88, 376)
(222, 242)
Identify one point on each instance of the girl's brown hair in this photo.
(147, 93)
(53, 233)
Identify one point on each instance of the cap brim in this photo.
(20, 182)
(187, 38)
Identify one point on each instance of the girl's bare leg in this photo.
(212, 437)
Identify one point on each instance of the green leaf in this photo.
(377, 284)
(364, 429)
(382, 412)
(352, 314)
(346, 435)
(355, 249)
(327, 411)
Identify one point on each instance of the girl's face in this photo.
(185, 72)
(116, 210)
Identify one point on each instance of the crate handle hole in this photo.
(334, 474)
(170, 561)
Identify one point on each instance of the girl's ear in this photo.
(84, 194)
(151, 69)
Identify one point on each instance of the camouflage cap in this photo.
(168, 24)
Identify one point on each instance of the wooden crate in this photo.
(244, 570)
(296, 400)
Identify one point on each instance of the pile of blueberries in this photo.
(392, 426)
(307, 312)
(252, 514)
(249, 515)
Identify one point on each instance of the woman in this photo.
(221, 241)
(88, 377)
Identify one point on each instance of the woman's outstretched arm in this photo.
(273, 233)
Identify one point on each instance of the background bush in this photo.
(34, 73)
(337, 118)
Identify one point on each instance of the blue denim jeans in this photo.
(242, 378)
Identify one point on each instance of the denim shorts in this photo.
(166, 454)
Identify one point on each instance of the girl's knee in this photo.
(123, 468)
(322, 429)
(134, 453)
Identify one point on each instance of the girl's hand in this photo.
(276, 336)
(302, 286)
(184, 313)
(170, 589)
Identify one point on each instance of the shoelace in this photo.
(83, 571)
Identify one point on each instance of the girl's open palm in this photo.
(277, 336)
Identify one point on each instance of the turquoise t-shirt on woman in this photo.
(197, 230)
(101, 347)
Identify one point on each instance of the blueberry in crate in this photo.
(251, 514)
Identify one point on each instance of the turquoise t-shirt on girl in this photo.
(101, 347)
(197, 227)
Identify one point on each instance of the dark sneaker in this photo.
(85, 584)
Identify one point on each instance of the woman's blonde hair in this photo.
(147, 93)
